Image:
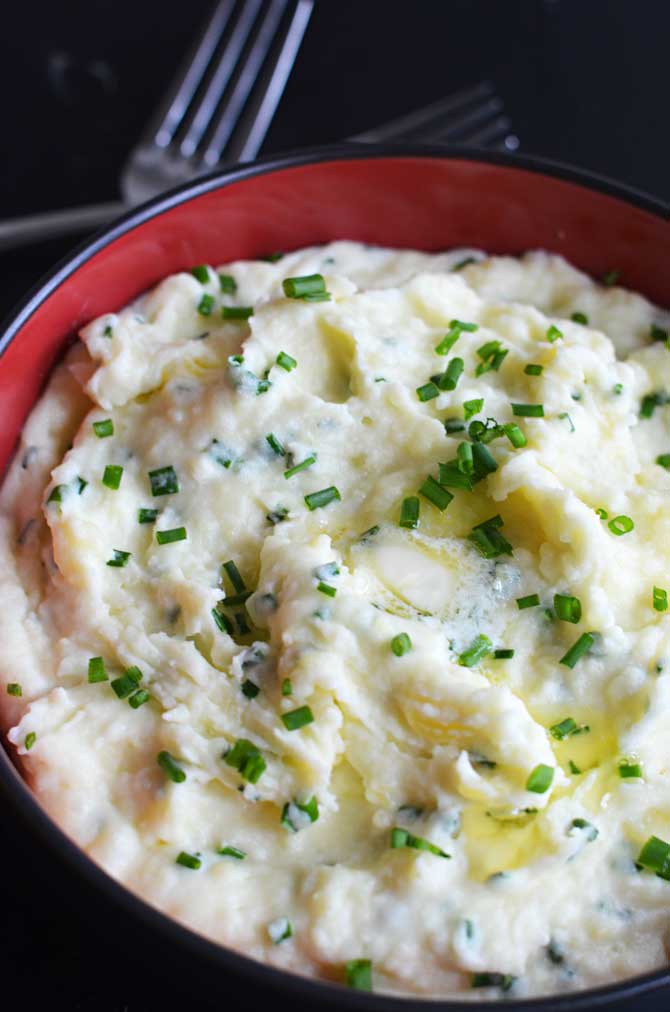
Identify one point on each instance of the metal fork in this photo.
(222, 103)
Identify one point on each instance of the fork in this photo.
(222, 102)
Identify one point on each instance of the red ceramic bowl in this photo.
(423, 198)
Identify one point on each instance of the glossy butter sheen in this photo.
(417, 741)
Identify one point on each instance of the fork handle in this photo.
(15, 232)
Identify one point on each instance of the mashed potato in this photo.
(334, 615)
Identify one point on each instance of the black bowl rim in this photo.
(309, 990)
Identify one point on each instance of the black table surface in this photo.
(584, 81)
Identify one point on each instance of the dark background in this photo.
(584, 81)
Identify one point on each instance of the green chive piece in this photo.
(580, 318)
(456, 328)
(451, 476)
(104, 429)
(478, 649)
(540, 779)
(164, 480)
(96, 670)
(452, 425)
(127, 683)
(191, 861)
(492, 355)
(272, 258)
(587, 828)
(409, 513)
(309, 808)
(577, 650)
(652, 401)
(564, 414)
(326, 589)
(488, 539)
(515, 435)
(533, 370)
(286, 361)
(358, 973)
(171, 767)
(201, 273)
(528, 410)
(315, 500)
(553, 334)
(564, 729)
(167, 537)
(452, 374)
(657, 333)
(107, 332)
(530, 601)
(222, 621)
(146, 516)
(112, 476)
(472, 407)
(301, 287)
(14, 689)
(427, 392)
(280, 929)
(484, 462)
(567, 607)
(502, 980)
(119, 559)
(655, 856)
(664, 461)
(464, 263)
(235, 852)
(275, 445)
(465, 459)
(277, 515)
(307, 462)
(401, 644)
(29, 740)
(228, 284)
(621, 525)
(660, 599)
(603, 514)
(206, 305)
(574, 769)
(247, 759)
(236, 312)
(435, 493)
(403, 838)
(287, 687)
(503, 654)
(618, 388)
(629, 769)
(139, 698)
(610, 278)
(233, 575)
(235, 600)
(56, 494)
(295, 719)
(249, 689)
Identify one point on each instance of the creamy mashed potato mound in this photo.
(338, 629)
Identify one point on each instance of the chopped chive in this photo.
(287, 687)
(167, 537)
(309, 808)
(503, 654)
(574, 768)
(452, 425)
(280, 929)
(56, 494)
(553, 334)
(587, 828)
(580, 318)
(629, 769)
(164, 480)
(358, 974)
(655, 856)
(201, 273)
(540, 779)
(307, 462)
(515, 435)
(227, 284)
(191, 861)
(492, 355)
(14, 689)
(465, 458)
(233, 574)
(286, 361)
(206, 305)
(107, 332)
(472, 407)
(104, 428)
(222, 621)
(277, 515)
(235, 600)
(610, 278)
(478, 649)
(427, 392)
(660, 599)
(139, 698)
(530, 601)
(621, 525)
(564, 729)
(435, 493)
(577, 650)
(112, 476)
(236, 312)
(567, 607)
(502, 980)
(119, 559)
(96, 670)
(326, 589)
(603, 514)
(272, 258)
(315, 500)
(235, 852)
(456, 328)
(618, 388)
(464, 263)
(295, 719)
(664, 461)
(369, 534)
(249, 689)
(564, 414)
(657, 333)
(246, 759)
(652, 401)
(528, 410)
(127, 683)
(401, 644)
(533, 370)
(403, 838)
(146, 516)
(452, 374)
(484, 462)
(171, 767)
(488, 539)
(29, 740)
(409, 512)
(451, 476)
(275, 445)
(301, 287)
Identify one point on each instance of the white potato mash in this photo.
(335, 616)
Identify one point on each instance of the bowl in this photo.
(415, 197)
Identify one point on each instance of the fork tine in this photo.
(445, 108)
(488, 133)
(172, 110)
(229, 114)
(261, 108)
(221, 77)
(470, 120)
